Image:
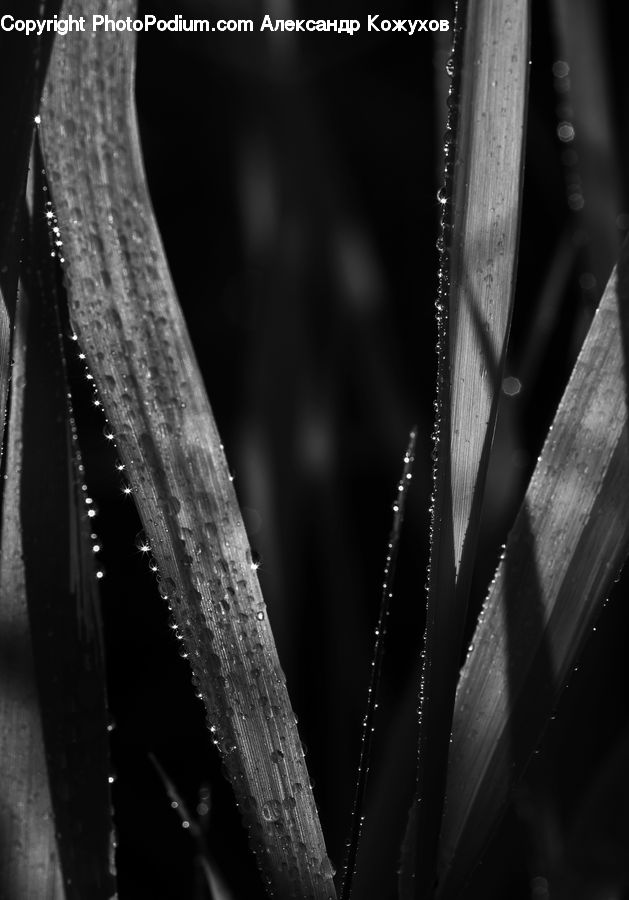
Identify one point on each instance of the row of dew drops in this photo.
(91, 510)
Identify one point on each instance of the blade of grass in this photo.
(481, 255)
(568, 543)
(399, 504)
(479, 240)
(29, 858)
(123, 305)
(387, 804)
(63, 603)
(55, 820)
(22, 65)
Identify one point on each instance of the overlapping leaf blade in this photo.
(568, 544)
(55, 809)
(480, 229)
(22, 66)
(129, 323)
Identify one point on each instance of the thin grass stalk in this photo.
(23, 65)
(29, 857)
(55, 821)
(479, 240)
(481, 233)
(55, 808)
(63, 602)
(123, 306)
(568, 544)
(399, 504)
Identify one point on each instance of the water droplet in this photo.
(326, 868)
(271, 810)
(511, 386)
(565, 132)
(141, 542)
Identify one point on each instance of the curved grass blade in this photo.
(124, 309)
(55, 808)
(376, 668)
(479, 239)
(481, 231)
(22, 66)
(568, 543)
(63, 601)
(29, 858)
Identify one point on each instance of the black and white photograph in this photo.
(314, 472)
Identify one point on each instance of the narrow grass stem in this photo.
(399, 504)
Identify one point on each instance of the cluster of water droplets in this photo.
(56, 252)
(90, 513)
(97, 403)
(54, 231)
(227, 653)
(566, 134)
(91, 510)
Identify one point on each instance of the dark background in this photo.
(294, 180)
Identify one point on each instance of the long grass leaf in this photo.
(568, 543)
(63, 602)
(55, 819)
(123, 306)
(482, 251)
(23, 66)
(399, 504)
(29, 858)
(484, 157)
